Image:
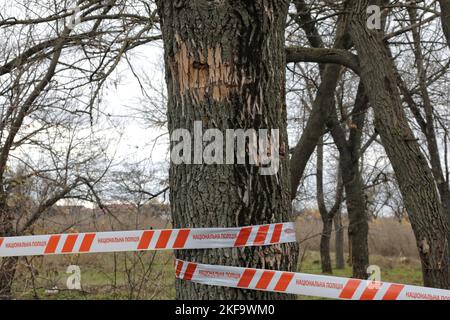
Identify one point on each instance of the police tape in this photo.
(122, 241)
(210, 238)
(303, 284)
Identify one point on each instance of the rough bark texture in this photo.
(427, 123)
(349, 258)
(358, 228)
(225, 66)
(411, 168)
(325, 238)
(445, 18)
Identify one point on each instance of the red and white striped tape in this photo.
(204, 238)
(209, 238)
(304, 284)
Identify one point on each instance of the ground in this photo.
(101, 278)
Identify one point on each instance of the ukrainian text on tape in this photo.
(120, 241)
(303, 284)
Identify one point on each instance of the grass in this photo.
(103, 276)
(104, 279)
(392, 269)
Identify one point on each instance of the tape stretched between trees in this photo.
(303, 284)
(122, 241)
(209, 238)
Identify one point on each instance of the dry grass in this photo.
(387, 237)
(134, 275)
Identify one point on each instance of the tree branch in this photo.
(323, 55)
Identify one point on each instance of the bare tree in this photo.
(326, 214)
(53, 65)
(414, 176)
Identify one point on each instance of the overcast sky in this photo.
(138, 141)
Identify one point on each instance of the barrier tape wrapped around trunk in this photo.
(120, 241)
(303, 284)
(210, 238)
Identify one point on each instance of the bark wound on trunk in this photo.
(225, 66)
(202, 73)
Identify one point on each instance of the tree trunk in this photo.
(427, 123)
(225, 67)
(325, 257)
(349, 151)
(410, 166)
(445, 18)
(339, 240)
(326, 215)
(350, 250)
(358, 228)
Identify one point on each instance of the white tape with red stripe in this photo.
(304, 284)
(121, 241)
(209, 238)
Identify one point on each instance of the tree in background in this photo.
(414, 175)
(53, 65)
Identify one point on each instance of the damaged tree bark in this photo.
(225, 66)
